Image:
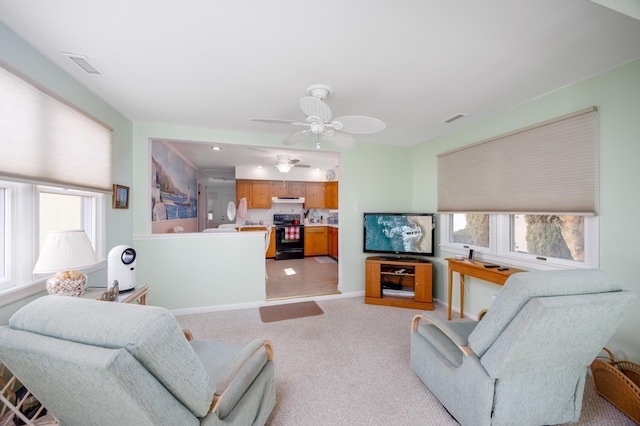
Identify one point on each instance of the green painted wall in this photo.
(617, 95)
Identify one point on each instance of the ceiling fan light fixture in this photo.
(283, 167)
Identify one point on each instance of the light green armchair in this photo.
(103, 363)
(526, 361)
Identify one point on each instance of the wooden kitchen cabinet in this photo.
(243, 190)
(315, 241)
(314, 198)
(331, 195)
(260, 194)
(271, 250)
(287, 189)
(332, 242)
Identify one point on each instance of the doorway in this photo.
(310, 276)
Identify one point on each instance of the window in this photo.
(46, 141)
(527, 198)
(528, 241)
(48, 208)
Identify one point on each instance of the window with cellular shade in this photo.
(45, 140)
(547, 168)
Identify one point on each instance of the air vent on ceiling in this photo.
(454, 118)
(83, 62)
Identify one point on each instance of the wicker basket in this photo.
(619, 383)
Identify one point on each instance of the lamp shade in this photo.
(65, 251)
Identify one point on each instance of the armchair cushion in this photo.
(232, 370)
(521, 287)
(154, 339)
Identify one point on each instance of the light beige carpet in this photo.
(350, 366)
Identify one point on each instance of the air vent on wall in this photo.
(454, 118)
(83, 62)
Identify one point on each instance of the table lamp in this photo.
(64, 252)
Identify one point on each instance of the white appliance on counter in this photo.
(121, 267)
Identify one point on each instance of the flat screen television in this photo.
(399, 234)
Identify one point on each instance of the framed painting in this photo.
(120, 198)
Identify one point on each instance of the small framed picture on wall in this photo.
(120, 197)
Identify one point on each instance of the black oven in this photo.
(289, 236)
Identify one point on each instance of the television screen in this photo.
(399, 233)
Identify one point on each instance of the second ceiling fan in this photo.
(318, 122)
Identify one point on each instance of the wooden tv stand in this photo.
(398, 282)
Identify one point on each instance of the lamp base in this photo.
(70, 283)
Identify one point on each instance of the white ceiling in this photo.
(411, 63)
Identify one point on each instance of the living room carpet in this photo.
(289, 311)
(350, 366)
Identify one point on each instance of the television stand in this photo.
(404, 283)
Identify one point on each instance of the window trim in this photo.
(21, 253)
(499, 246)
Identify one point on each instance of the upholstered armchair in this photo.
(525, 362)
(104, 363)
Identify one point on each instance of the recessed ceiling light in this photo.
(215, 148)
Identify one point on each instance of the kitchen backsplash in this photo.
(265, 216)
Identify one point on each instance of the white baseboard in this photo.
(250, 305)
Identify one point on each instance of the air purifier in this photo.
(121, 267)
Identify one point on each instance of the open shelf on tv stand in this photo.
(398, 282)
(402, 258)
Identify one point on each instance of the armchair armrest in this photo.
(457, 332)
(239, 376)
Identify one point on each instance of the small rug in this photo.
(289, 311)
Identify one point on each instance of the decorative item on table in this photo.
(64, 253)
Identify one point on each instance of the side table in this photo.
(137, 295)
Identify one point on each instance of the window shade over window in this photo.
(45, 140)
(546, 168)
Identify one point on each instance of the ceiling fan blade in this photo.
(358, 124)
(297, 137)
(314, 107)
(302, 165)
(339, 139)
(272, 120)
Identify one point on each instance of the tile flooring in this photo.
(301, 277)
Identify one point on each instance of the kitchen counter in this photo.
(328, 225)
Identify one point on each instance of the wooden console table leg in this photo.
(449, 295)
(461, 296)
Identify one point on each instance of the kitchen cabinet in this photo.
(287, 189)
(271, 250)
(315, 241)
(243, 190)
(314, 198)
(260, 194)
(331, 195)
(332, 242)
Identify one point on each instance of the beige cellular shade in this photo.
(45, 140)
(551, 167)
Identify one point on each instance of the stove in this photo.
(289, 236)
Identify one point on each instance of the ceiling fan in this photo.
(319, 123)
(285, 163)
